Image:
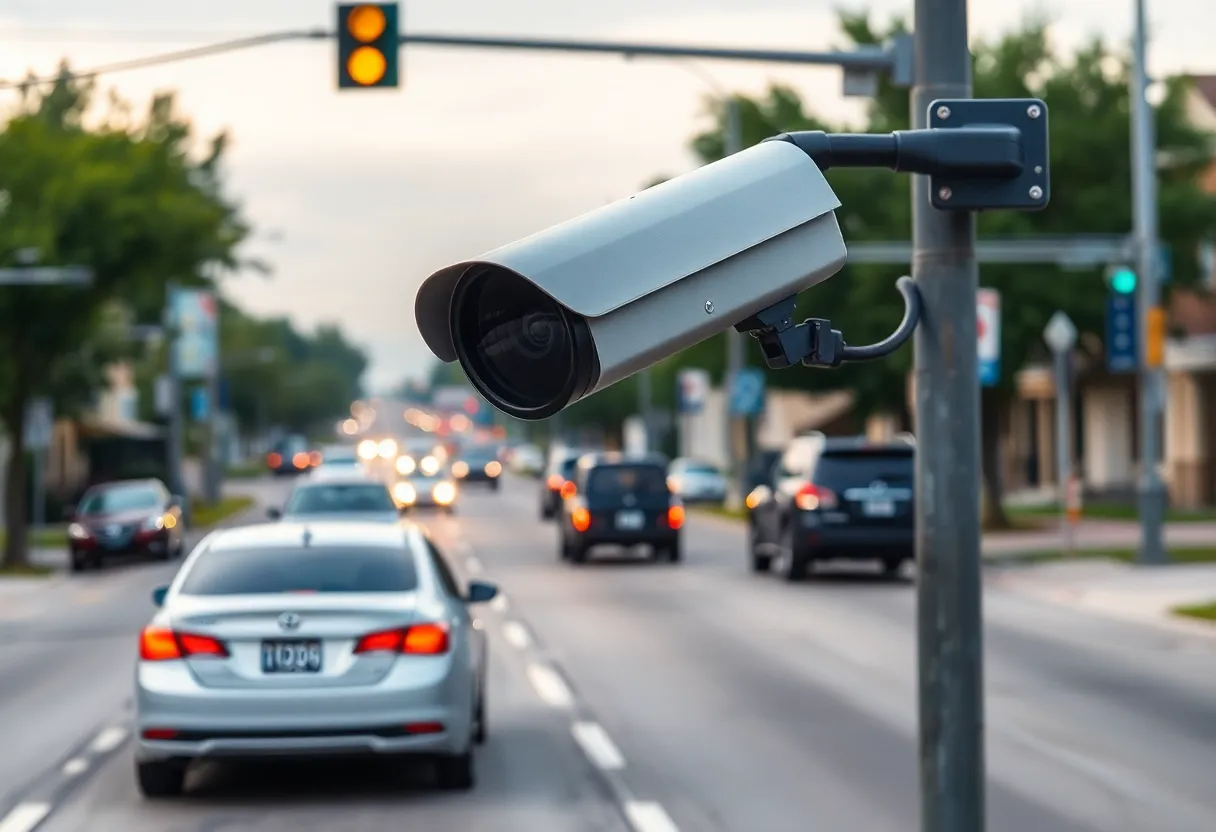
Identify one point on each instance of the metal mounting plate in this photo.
(1029, 192)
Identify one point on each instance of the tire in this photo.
(760, 563)
(494, 485)
(77, 564)
(673, 553)
(455, 772)
(893, 567)
(479, 720)
(794, 562)
(160, 779)
(578, 553)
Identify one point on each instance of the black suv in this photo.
(834, 498)
(620, 501)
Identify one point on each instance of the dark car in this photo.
(291, 455)
(130, 517)
(558, 473)
(835, 499)
(620, 501)
(480, 464)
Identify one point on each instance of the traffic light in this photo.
(367, 45)
(1122, 280)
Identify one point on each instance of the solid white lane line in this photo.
(473, 565)
(645, 816)
(24, 817)
(549, 686)
(500, 603)
(516, 635)
(109, 739)
(75, 766)
(598, 746)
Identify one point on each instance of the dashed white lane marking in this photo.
(109, 739)
(75, 766)
(549, 686)
(516, 635)
(645, 816)
(24, 817)
(500, 603)
(598, 746)
(474, 566)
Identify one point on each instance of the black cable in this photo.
(912, 309)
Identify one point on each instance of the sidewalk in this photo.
(1095, 534)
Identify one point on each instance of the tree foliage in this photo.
(134, 201)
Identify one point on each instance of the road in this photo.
(691, 698)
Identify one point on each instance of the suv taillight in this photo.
(815, 497)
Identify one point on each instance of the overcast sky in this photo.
(367, 193)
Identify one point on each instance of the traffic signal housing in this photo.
(368, 45)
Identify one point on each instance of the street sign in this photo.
(988, 318)
(195, 315)
(1122, 341)
(693, 389)
(39, 423)
(1060, 333)
(199, 404)
(747, 392)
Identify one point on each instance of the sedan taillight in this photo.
(159, 644)
(417, 640)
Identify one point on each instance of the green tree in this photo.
(1087, 94)
(131, 201)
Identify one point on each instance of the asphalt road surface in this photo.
(690, 698)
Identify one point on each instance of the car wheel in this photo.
(455, 773)
(893, 567)
(578, 553)
(479, 720)
(493, 485)
(675, 552)
(160, 778)
(794, 560)
(760, 562)
(78, 563)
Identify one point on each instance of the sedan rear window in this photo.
(610, 480)
(321, 569)
(340, 498)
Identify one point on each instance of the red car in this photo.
(128, 517)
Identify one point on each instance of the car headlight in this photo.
(429, 466)
(406, 465)
(387, 448)
(493, 468)
(368, 450)
(78, 532)
(460, 469)
(405, 493)
(153, 524)
(444, 493)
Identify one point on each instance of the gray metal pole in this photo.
(176, 418)
(1152, 381)
(949, 635)
(1063, 440)
(736, 354)
(39, 476)
(646, 407)
(212, 471)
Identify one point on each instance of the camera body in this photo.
(544, 321)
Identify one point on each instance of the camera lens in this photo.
(518, 343)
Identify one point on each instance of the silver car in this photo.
(351, 497)
(696, 482)
(299, 640)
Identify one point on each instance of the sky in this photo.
(356, 197)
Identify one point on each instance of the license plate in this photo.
(878, 508)
(629, 520)
(291, 656)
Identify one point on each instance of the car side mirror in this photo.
(158, 595)
(274, 513)
(480, 592)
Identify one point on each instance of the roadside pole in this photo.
(1061, 336)
(949, 620)
(736, 353)
(175, 450)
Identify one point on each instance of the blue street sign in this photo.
(199, 408)
(747, 392)
(1122, 352)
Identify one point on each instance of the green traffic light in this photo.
(1123, 281)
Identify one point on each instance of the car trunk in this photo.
(874, 488)
(626, 499)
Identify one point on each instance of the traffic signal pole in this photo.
(1152, 496)
(949, 620)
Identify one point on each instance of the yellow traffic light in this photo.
(366, 23)
(366, 66)
(368, 35)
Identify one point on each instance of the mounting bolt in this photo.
(709, 307)
(1038, 168)
(945, 194)
(943, 112)
(1034, 111)
(1036, 192)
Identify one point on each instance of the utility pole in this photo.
(175, 450)
(736, 351)
(1144, 213)
(1061, 336)
(949, 621)
(213, 468)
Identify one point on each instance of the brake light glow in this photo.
(814, 497)
(554, 482)
(418, 640)
(424, 728)
(581, 519)
(158, 733)
(568, 490)
(300, 460)
(159, 644)
(315, 458)
(675, 517)
(274, 460)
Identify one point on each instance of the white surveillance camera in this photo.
(543, 322)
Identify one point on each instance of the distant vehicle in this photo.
(834, 498)
(479, 463)
(424, 456)
(354, 498)
(130, 516)
(291, 455)
(620, 501)
(696, 482)
(428, 487)
(527, 460)
(340, 459)
(317, 639)
(559, 474)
